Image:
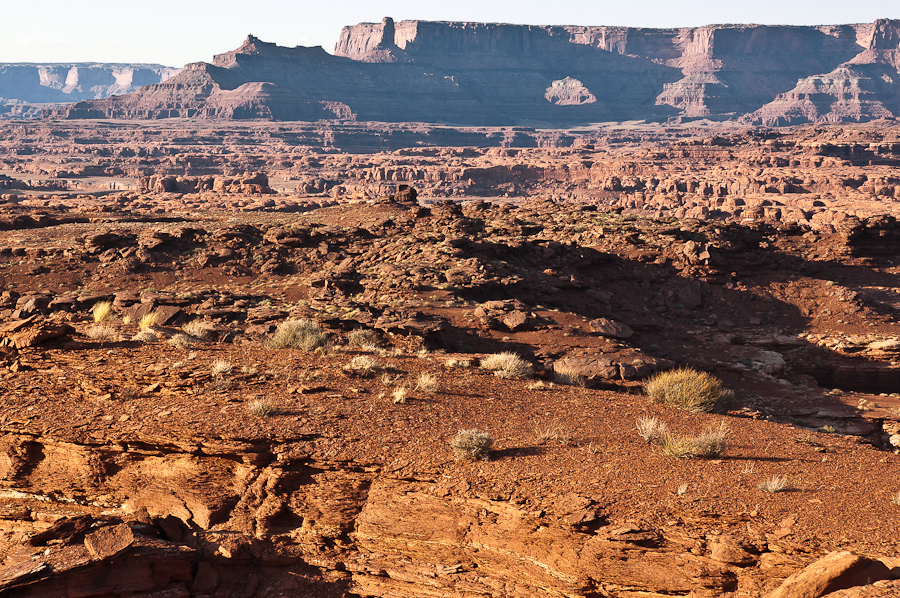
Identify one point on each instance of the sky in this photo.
(176, 32)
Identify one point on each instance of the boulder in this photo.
(610, 328)
(109, 542)
(615, 366)
(30, 333)
(835, 571)
(691, 295)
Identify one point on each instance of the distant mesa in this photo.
(569, 92)
(493, 74)
(23, 85)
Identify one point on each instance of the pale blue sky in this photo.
(175, 32)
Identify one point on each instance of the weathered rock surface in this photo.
(836, 571)
(109, 542)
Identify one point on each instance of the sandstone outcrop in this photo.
(514, 75)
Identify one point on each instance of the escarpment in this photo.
(496, 74)
(26, 89)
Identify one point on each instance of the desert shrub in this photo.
(362, 365)
(297, 334)
(145, 336)
(102, 311)
(196, 329)
(688, 389)
(471, 445)
(507, 365)
(458, 363)
(261, 407)
(180, 340)
(651, 429)
(363, 338)
(101, 333)
(774, 484)
(677, 446)
(709, 444)
(554, 435)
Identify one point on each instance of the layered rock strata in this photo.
(26, 88)
(500, 74)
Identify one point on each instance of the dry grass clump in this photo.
(400, 394)
(181, 340)
(261, 407)
(427, 382)
(145, 336)
(507, 365)
(102, 311)
(298, 334)
(554, 435)
(196, 329)
(220, 367)
(709, 444)
(101, 333)
(148, 320)
(651, 429)
(365, 339)
(896, 499)
(458, 363)
(677, 446)
(568, 377)
(363, 365)
(688, 389)
(775, 484)
(471, 445)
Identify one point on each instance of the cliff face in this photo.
(865, 87)
(25, 84)
(500, 75)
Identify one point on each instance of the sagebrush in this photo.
(688, 389)
(507, 365)
(471, 445)
(298, 334)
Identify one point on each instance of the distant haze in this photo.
(176, 32)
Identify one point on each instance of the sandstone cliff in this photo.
(861, 89)
(501, 75)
